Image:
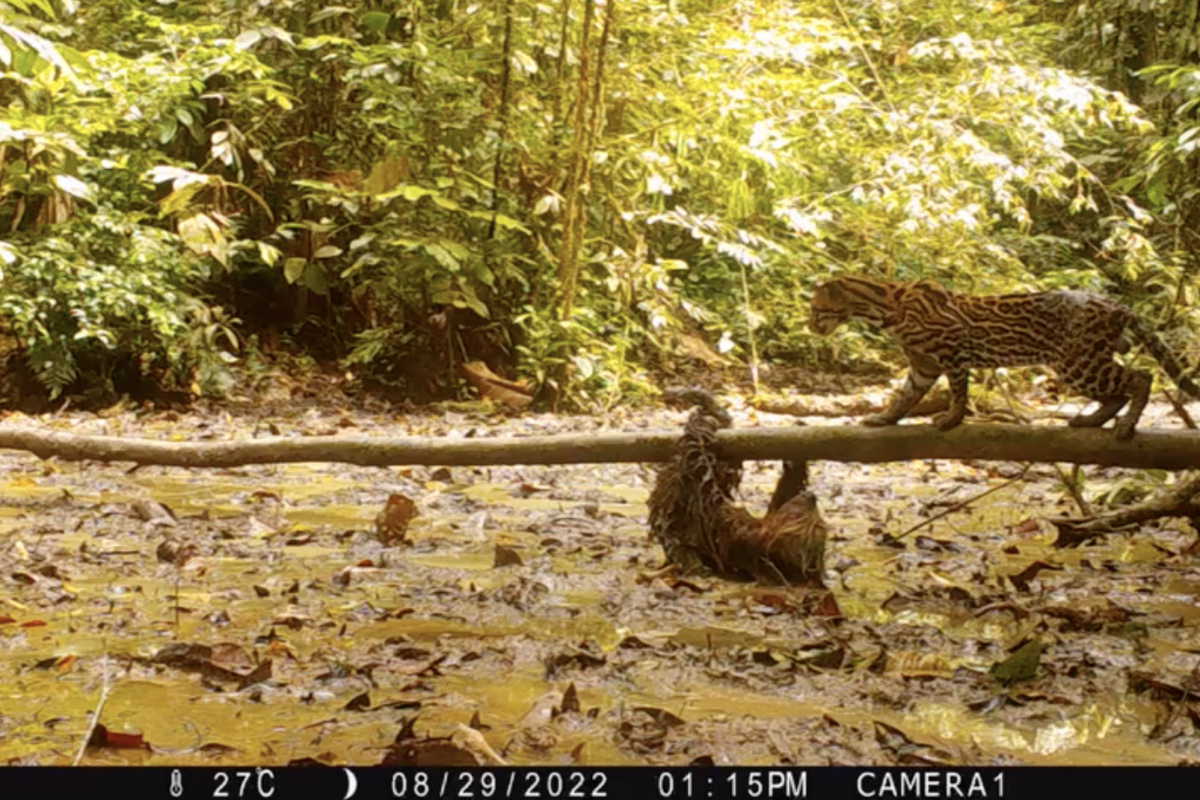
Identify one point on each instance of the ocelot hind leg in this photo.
(1138, 386)
(1107, 410)
(1112, 386)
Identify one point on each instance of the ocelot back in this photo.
(1074, 333)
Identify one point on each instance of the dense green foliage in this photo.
(563, 190)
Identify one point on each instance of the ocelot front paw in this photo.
(947, 420)
(878, 420)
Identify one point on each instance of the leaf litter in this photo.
(330, 614)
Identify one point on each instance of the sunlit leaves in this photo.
(27, 53)
(222, 148)
(410, 192)
(246, 40)
(204, 235)
(105, 280)
(657, 184)
(739, 150)
(548, 202)
(75, 187)
(268, 253)
(523, 63)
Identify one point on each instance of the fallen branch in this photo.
(1149, 449)
(1177, 502)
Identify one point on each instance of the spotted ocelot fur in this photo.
(1074, 333)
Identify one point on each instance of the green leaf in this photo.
(484, 275)
(472, 302)
(1021, 665)
(442, 256)
(268, 253)
(293, 268)
(455, 249)
(315, 278)
(375, 21)
(167, 128)
(510, 224)
(585, 367)
(409, 191)
(362, 241)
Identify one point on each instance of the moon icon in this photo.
(351, 784)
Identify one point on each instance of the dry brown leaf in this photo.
(474, 742)
(391, 524)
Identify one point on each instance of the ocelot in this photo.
(1074, 333)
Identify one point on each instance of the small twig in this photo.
(1072, 484)
(961, 505)
(779, 576)
(95, 714)
(1011, 403)
(1180, 410)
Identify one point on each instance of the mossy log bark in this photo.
(984, 442)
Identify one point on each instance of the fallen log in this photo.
(1178, 501)
(1149, 449)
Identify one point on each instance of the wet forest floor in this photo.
(526, 618)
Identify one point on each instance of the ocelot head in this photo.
(838, 300)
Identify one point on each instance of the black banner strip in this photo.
(586, 783)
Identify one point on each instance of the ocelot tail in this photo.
(1074, 333)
